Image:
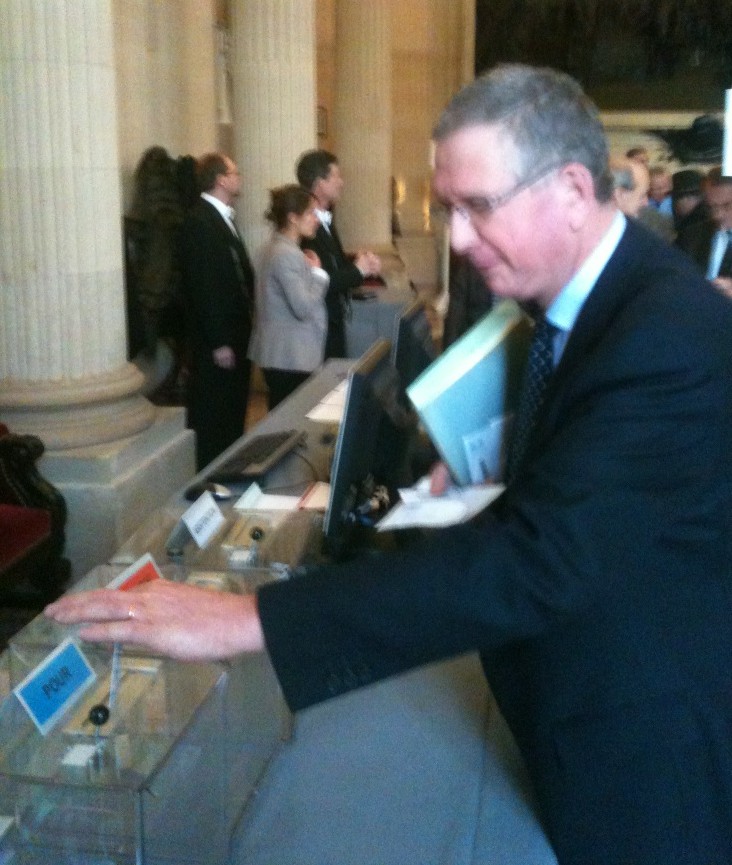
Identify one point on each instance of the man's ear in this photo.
(578, 191)
(317, 189)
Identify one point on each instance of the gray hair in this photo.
(623, 178)
(549, 118)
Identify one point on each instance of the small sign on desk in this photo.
(204, 519)
(55, 684)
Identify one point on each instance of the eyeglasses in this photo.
(478, 210)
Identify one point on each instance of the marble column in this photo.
(166, 95)
(363, 121)
(273, 84)
(63, 365)
(64, 375)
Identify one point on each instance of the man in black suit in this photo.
(218, 283)
(597, 587)
(707, 240)
(318, 171)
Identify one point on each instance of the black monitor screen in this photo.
(413, 348)
(369, 448)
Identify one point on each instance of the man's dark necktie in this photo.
(539, 367)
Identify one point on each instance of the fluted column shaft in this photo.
(273, 72)
(363, 120)
(63, 369)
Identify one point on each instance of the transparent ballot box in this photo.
(142, 783)
(254, 719)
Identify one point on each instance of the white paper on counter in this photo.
(419, 509)
(254, 499)
(330, 408)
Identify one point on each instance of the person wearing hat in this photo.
(709, 240)
(687, 197)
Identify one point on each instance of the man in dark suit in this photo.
(597, 587)
(318, 171)
(218, 283)
(707, 240)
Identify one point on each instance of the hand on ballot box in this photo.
(187, 623)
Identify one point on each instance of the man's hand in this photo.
(440, 480)
(368, 263)
(374, 263)
(182, 622)
(224, 357)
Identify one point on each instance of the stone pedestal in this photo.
(111, 488)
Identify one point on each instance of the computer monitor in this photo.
(369, 450)
(413, 348)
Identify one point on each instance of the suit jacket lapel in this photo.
(238, 250)
(330, 244)
(611, 291)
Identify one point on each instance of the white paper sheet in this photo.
(254, 499)
(419, 509)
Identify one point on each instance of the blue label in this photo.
(55, 684)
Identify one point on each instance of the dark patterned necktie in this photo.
(539, 367)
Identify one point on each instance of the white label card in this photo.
(484, 451)
(204, 519)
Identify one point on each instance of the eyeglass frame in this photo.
(483, 207)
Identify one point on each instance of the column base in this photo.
(111, 488)
(71, 413)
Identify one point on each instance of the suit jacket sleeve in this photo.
(620, 498)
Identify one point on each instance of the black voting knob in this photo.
(99, 714)
(256, 533)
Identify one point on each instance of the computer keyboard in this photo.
(257, 456)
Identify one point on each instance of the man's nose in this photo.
(462, 233)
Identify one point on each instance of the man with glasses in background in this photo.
(218, 286)
(597, 587)
(708, 241)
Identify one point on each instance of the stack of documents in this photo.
(466, 398)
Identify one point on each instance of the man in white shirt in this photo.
(709, 242)
(218, 285)
(318, 171)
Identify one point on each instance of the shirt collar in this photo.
(325, 217)
(566, 307)
(227, 212)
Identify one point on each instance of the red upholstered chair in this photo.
(32, 519)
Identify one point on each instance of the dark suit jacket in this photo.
(696, 240)
(344, 276)
(218, 284)
(596, 588)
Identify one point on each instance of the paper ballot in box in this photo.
(467, 397)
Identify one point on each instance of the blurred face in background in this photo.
(328, 189)
(632, 201)
(719, 199)
(306, 222)
(659, 186)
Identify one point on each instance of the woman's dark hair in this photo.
(285, 200)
